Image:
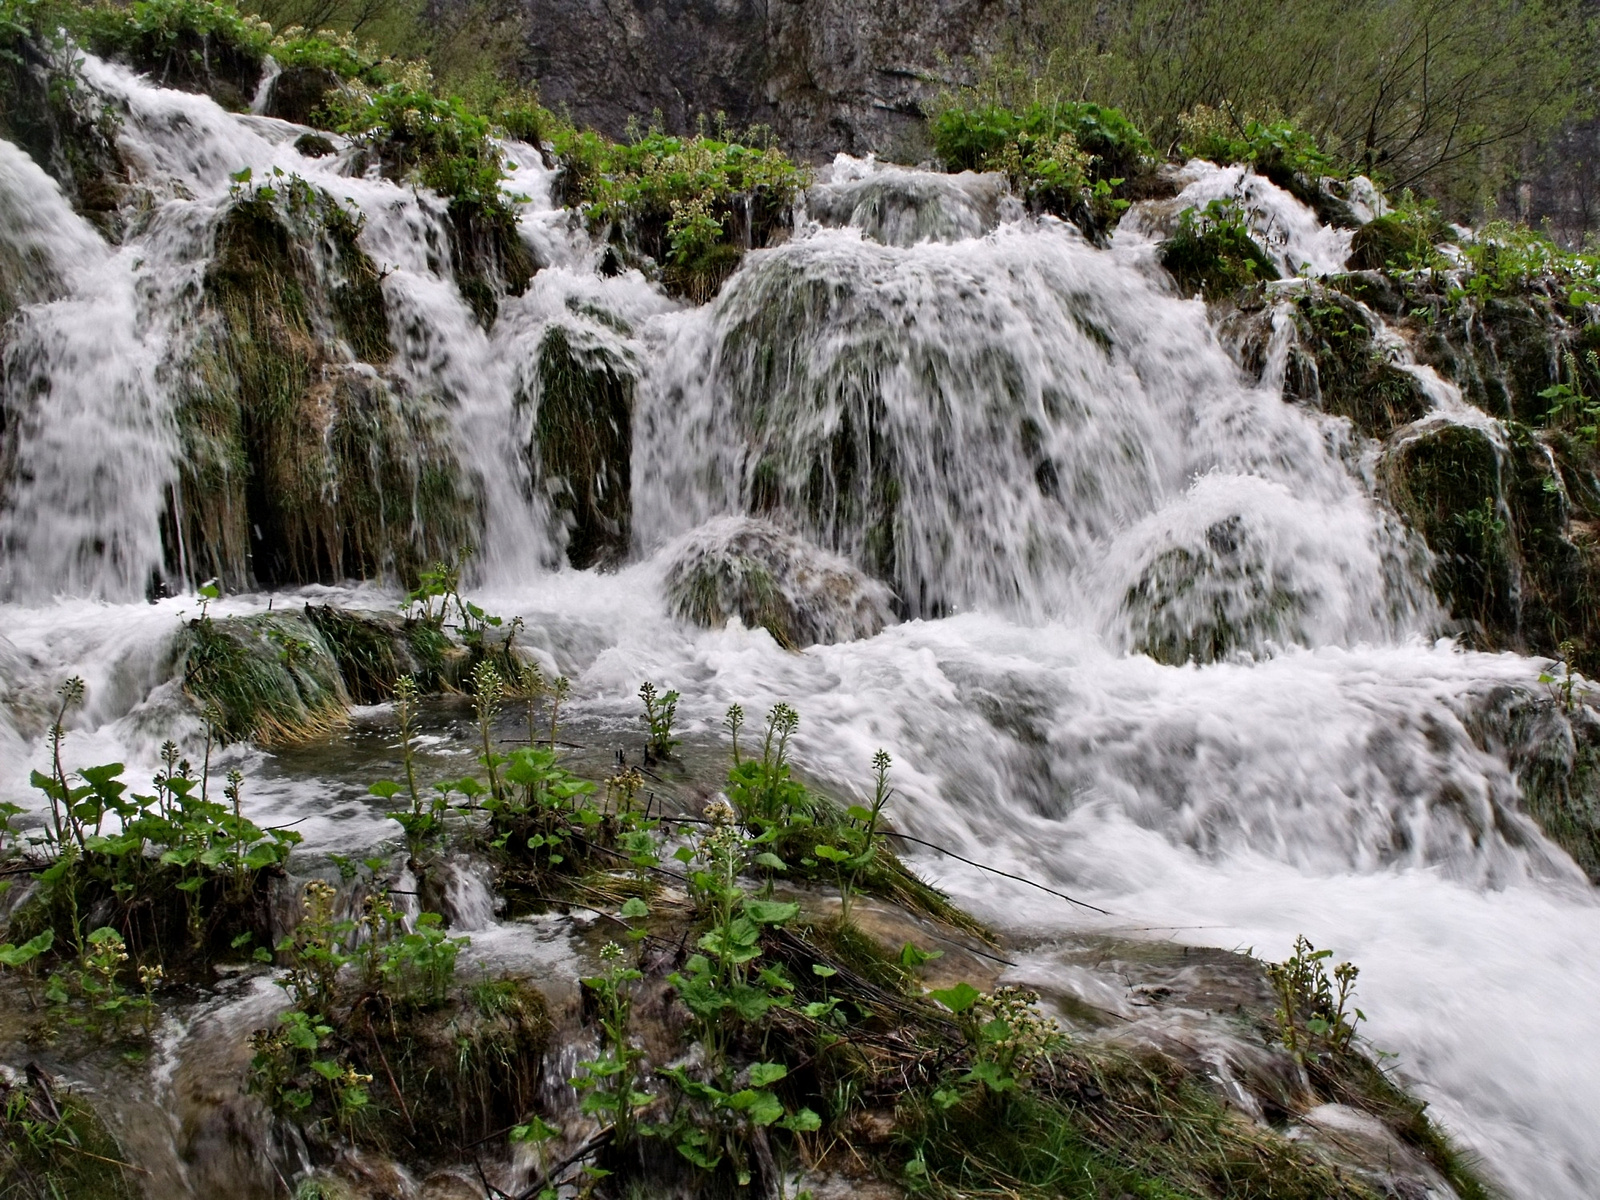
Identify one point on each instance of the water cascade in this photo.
(1154, 638)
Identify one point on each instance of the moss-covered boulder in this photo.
(581, 451)
(1552, 743)
(1445, 479)
(1204, 602)
(297, 93)
(206, 49)
(61, 125)
(267, 678)
(768, 578)
(1394, 241)
(1337, 365)
(301, 462)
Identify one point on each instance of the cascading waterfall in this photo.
(1046, 453)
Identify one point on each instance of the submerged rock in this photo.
(267, 678)
(752, 569)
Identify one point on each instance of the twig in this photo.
(393, 1086)
(1007, 874)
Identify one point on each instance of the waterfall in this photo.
(1159, 644)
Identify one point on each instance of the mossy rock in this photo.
(1386, 242)
(373, 650)
(1216, 262)
(301, 464)
(582, 446)
(62, 127)
(297, 93)
(268, 678)
(491, 259)
(188, 60)
(1206, 602)
(1555, 752)
(768, 578)
(1338, 366)
(1446, 481)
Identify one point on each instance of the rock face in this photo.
(826, 75)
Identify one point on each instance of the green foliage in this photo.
(1314, 1012)
(689, 201)
(1422, 93)
(1272, 146)
(1503, 259)
(659, 711)
(1064, 158)
(1403, 239)
(1213, 251)
(610, 1083)
(54, 1147)
(170, 862)
(1570, 404)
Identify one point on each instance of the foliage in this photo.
(54, 1147)
(1570, 404)
(1502, 259)
(1422, 93)
(1222, 136)
(1402, 239)
(170, 862)
(1213, 251)
(1314, 1012)
(659, 711)
(1064, 158)
(691, 202)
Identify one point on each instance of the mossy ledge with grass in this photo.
(765, 997)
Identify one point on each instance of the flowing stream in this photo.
(1047, 453)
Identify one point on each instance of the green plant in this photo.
(1273, 145)
(1314, 1012)
(1567, 689)
(419, 966)
(860, 850)
(1569, 402)
(659, 711)
(610, 1083)
(1213, 251)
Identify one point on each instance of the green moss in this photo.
(582, 447)
(1401, 241)
(192, 45)
(268, 678)
(300, 466)
(1447, 483)
(1339, 366)
(1213, 253)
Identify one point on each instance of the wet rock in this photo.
(1389, 240)
(1338, 366)
(752, 569)
(582, 447)
(210, 64)
(297, 93)
(63, 128)
(314, 145)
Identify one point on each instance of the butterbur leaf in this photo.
(384, 789)
(911, 957)
(822, 971)
(634, 907)
(764, 1074)
(990, 1074)
(946, 1097)
(957, 999)
(856, 813)
(771, 861)
(803, 1121)
(831, 853)
(771, 912)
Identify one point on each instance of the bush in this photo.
(1213, 252)
(1503, 259)
(690, 203)
(1065, 159)
(1403, 239)
(1271, 146)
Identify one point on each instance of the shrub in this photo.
(1213, 252)
(1503, 259)
(1403, 238)
(1272, 146)
(1063, 158)
(691, 203)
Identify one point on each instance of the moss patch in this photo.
(582, 447)
(267, 678)
(301, 464)
(1338, 366)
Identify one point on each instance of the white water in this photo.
(1056, 425)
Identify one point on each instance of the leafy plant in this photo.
(1315, 1015)
(660, 709)
(1213, 251)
